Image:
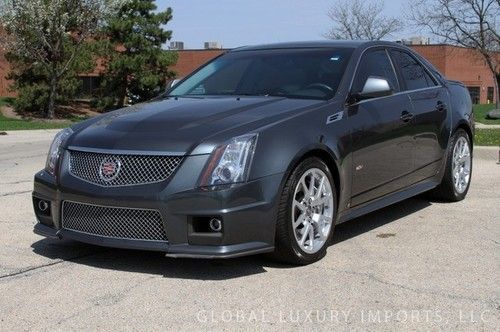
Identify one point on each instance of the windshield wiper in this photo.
(181, 96)
(294, 96)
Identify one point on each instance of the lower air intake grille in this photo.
(113, 222)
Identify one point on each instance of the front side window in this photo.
(292, 73)
(412, 72)
(375, 63)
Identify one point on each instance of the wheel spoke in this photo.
(320, 187)
(300, 220)
(312, 210)
(311, 185)
(311, 236)
(305, 233)
(305, 186)
(320, 201)
(461, 163)
(299, 205)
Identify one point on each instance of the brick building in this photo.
(464, 65)
(456, 63)
(190, 60)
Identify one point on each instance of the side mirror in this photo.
(172, 84)
(374, 87)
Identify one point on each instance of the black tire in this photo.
(286, 247)
(446, 190)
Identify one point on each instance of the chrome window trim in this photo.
(398, 93)
(387, 48)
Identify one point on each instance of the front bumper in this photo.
(248, 212)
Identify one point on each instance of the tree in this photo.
(50, 34)
(30, 81)
(361, 20)
(137, 65)
(468, 23)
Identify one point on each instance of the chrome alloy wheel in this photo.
(312, 210)
(461, 165)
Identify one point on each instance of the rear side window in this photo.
(413, 73)
(375, 63)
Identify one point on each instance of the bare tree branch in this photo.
(468, 23)
(361, 20)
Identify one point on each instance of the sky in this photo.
(247, 22)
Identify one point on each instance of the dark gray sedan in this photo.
(264, 149)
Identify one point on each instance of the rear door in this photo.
(430, 108)
(381, 138)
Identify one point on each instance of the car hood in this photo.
(178, 125)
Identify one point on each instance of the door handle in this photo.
(440, 106)
(406, 116)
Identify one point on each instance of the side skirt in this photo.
(387, 200)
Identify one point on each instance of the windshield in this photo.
(292, 73)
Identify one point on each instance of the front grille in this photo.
(129, 170)
(113, 222)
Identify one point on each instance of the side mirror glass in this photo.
(172, 83)
(375, 87)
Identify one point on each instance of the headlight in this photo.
(55, 150)
(230, 163)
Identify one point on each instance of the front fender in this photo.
(281, 148)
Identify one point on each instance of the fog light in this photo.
(215, 225)
(43, 205)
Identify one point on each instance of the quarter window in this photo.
(375, 63)
(413, 73)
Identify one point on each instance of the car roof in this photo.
(316, 44)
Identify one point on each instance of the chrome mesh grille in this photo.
(132, 170)
(113, 222)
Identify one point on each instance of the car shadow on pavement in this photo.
(366, 223)
(155, 263)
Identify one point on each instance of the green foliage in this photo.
(137, 65)
(8, 101)
(489, 137)
(15, 124)
(32, 81)
(480, 112)
(32, 123)
(46, 39)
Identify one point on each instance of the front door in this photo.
(381, 137)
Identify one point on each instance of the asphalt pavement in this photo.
(416, 265)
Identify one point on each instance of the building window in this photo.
(490, 94)
(89, 86)
(474, 94)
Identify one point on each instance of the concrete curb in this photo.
(16, 136)
(30, 131)
(487, 126)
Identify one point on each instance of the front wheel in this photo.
(306, 214)
(456, 179)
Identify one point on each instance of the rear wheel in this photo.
(457, 176)
(306, 214)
